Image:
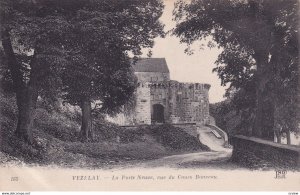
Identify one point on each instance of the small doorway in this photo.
(158, 113)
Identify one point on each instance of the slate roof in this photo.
(151, 65)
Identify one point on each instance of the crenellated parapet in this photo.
(142, 84)
(174, 85)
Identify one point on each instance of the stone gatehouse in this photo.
(161, 100)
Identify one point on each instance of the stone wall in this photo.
(222, 133)
(255, 153)
(183, 102)
(174, 102)
(143, 105)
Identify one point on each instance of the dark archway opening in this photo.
(158, 114)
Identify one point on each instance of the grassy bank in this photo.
(56, 140)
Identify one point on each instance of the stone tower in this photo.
(161, 100)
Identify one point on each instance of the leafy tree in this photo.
(42, 38)
(100, 70)
(30, 37)
(259, 41)
(107, 83)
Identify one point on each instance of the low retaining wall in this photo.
(254, 152)
(221, 132)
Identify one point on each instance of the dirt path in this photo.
(180, 160)
(218, 155)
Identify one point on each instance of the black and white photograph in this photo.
(149, 95)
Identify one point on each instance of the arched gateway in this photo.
(158, 113)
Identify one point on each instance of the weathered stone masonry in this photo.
(161, 100)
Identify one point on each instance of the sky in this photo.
(188, 68)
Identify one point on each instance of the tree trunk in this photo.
(26, 103)
(288, 137)
(279, 139)
(278, 136)
(298, 89)
(26, 95)
(86, 120)
(264, 117)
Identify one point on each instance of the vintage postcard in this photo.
(150, 95)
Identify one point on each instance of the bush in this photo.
(169, 136)
(104, 130)
(8, 113)
(176, 138)
(56, 124)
